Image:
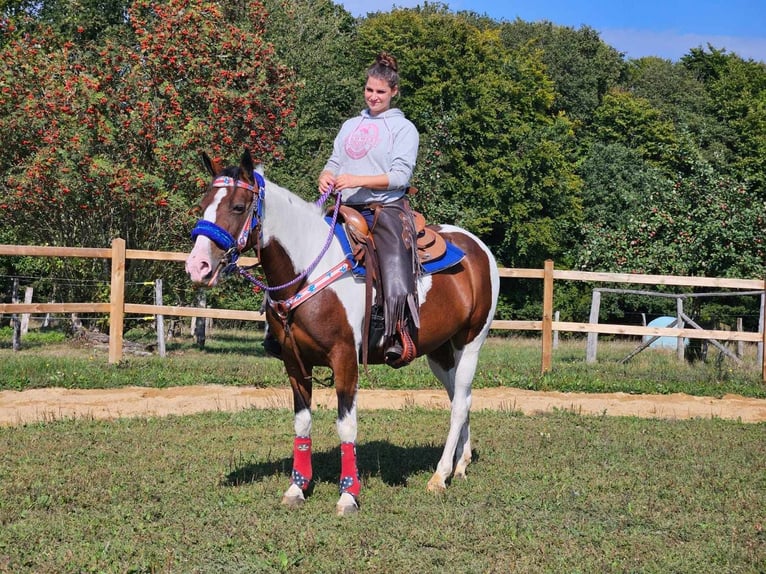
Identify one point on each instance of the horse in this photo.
(316, 308)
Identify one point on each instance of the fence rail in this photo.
(117, 307)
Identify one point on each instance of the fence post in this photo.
(740, 344)
(25, 316)
(15, 318)
(160, 319)
(547, 315)
(117, 301)
(592, 345)
(762, 328)
(680, 346)
(200, 300)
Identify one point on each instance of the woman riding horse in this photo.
(317, 308)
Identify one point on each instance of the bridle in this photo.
(233, 248)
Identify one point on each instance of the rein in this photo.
(244, 271)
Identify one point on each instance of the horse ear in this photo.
(212, 165)
(247, 164)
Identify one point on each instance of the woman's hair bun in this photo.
(387, 60)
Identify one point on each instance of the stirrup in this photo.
(402, 352)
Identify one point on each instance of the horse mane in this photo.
(274, 189)
(293, 200)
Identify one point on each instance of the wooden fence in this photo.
(117, 307)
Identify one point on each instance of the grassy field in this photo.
(552, 493)
(236, 358)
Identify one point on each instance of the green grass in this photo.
(236, 358)
(550, 493)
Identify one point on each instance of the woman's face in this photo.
(378, 94)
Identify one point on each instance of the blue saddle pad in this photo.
(452, 256)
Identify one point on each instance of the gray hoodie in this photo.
(366, 145)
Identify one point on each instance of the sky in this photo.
(663, 28)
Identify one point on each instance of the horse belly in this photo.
(460, 301)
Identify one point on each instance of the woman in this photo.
(371, 165)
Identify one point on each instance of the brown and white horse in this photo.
(300, 256)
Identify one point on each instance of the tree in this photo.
(101, 139)
(738, 90)
(79, 21)
(681, 97)
(494, 157)
(632, 121)
(583, 67)
(703, 224)
(315, 39)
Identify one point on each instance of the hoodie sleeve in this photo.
(404, 155)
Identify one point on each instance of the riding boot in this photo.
(395, 241)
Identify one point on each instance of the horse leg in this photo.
(346, 380)
(301, 475)
(456, 376)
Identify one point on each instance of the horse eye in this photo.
(238, 208)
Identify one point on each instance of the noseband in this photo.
(223, 239)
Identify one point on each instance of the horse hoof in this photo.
(347, 505)
(293, 501)
(436, 484)
(293, 497)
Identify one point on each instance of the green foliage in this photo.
(700, 225)
(738, 91)
(582, 67)
(633, 122)
(681, 97)
(82, 21)
(494, 158)
(315, 39)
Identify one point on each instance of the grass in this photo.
(550, 493)
(236, 358)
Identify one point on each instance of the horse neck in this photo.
(297, 225)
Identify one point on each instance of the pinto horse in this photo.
(316, 308)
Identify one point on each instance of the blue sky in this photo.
(668, 29)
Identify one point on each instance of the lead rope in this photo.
(244, 271)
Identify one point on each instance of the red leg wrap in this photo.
(301, 462)
(349, 474)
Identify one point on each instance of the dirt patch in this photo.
(20, 407)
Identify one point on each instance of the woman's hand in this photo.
(326, 181)
(346, 180)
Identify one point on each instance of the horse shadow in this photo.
(393, 464)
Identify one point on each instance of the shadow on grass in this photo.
(246, 348)
(392, 463)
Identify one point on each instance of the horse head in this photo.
(230, 217)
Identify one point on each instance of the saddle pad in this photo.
(452, 256)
